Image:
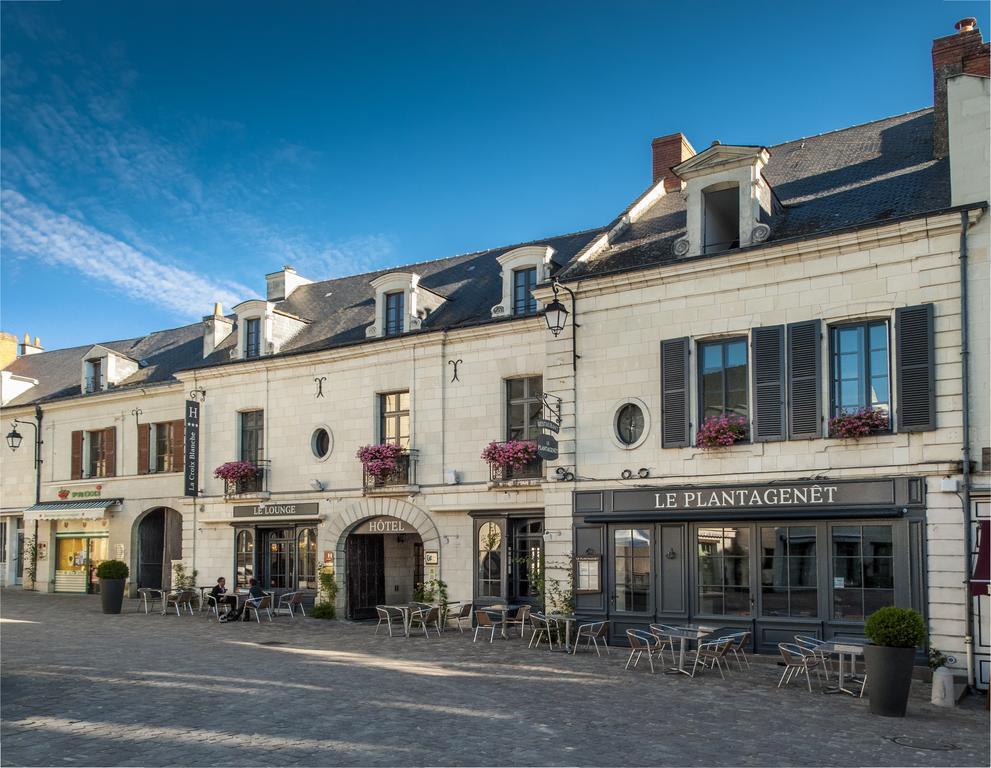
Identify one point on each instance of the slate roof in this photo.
(858, 175)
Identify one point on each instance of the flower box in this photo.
(721, 431)
(856, 424)
(513, 460)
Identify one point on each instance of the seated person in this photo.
(255, 592)
(219, 593)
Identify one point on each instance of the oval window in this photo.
(629, 423)
(320, 443)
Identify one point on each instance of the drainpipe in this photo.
(968, 640)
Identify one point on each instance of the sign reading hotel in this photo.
(309, 509)
(191, 449)
(384, 525)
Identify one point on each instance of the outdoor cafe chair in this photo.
(484, 621)
(289, 602)
(713, 654)
(425, 619)
(798, 661)
(388, 614)
(739, 648)
(212, 605)
(149, 597)
(813, 644)
(520, 619)
(178, 599)
(257, 605)
(463, 614)
(641, 642)
(540, 629)
(593, 633)
(665, 634)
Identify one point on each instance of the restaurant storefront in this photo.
(777, 559)
(509, 557)
(277, 545)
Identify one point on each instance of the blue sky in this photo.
(158, 157)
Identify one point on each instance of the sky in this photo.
(157, 157)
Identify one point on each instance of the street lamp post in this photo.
(556, 317)
(14, 439)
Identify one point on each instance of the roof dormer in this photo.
(102, 368)
(728, 200)
(401, 304)
(522, 270)
(262, 329)
(280, 285)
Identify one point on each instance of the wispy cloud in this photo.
(32, 230)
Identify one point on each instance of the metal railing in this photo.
(248, 486)
(403, 474)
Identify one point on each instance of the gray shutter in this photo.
(675, 427)
(804, 380)
(915, 368)
(768, 360)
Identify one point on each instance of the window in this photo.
(788, 571)
(163, 447)
(252, 337)
(394, 418)
(307, 558)
(320, 443)
(523, 407)
(629, 423)
(721, 219)
(631, 555)
(724, 571)
(863, 570)
(490, 560)
(524, 281)
(96, 465)
(526, 559)
(723, 378)
(394, 307)
(859, 362)
(245, 565)
(94, 375)
(252, 436)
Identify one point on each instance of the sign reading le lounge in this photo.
(310, 508)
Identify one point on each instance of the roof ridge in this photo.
(131, 340)
(850, 127)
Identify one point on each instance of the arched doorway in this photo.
(159, 542)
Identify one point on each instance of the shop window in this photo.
(490, 560)
(631, 556)
(394, 418)
(860, 379)
(245, 565)
(724, 571)
(307, 558)
(863, 570)
(523, 407)
(723, 379)
(394, 308)
(524, 281)
(788, 571)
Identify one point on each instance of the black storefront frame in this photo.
(594, 523)
(507, 522)
(260, 536)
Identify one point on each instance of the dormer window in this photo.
(252, 337)
(394, 311)
(95, 381)
(524, 281)
(721, 219)
(101, 368)
(263, 329)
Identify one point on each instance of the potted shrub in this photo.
(857, 424)
(721, 431)
(326, 607)
(112, 575)
(895, 634)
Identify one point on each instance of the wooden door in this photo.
(366, 574)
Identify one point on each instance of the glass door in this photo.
(96, 554)
(526, 561)
(280, 561)
(632, 576)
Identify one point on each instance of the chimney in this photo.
(281, 284)
(668, 151)
(964, 53)
(216, 328)
(27, 348)
(8, 349)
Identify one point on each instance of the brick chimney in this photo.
(668, 151)
(963, 53)
(29, 348)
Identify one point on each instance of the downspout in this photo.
(37, 489)
(968, 640)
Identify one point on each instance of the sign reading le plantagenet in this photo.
(311, 508)
(776, 496)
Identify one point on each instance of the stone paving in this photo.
(81, 688)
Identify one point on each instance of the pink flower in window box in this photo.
(380, 461)
(721, 431)
(514, 454)
(236, 471)
(857, 424)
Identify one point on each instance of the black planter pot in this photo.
(889, 672)
(112, 594)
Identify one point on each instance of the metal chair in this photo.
(593, 633)
(258, 604)
(520, 619)
(798, 661)
(212, 605)
(540, 629)
(641, 643)
(288, 602)
(463, 614)
(149, 597)
(425, 619)
(739, 648)
(177, 599)
(388, 614)
(814, 644)
(485, 621)
(712, 654)
(665, 640)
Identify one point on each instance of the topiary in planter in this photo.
(112, 575)
(112, 569)
(896, 628)
(895, 634)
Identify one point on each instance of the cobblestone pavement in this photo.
(81, 688)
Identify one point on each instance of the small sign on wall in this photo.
(431, 557)
(42, 550)
(328, 558)
(120, 551)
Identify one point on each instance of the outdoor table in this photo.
(502, 610)
(841, 648)
(568, 619)
(684, 634)
(407, 609)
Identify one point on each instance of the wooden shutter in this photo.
(768, 346)
(110, 452)
(144, 445)
(675, 401)
(804, 380)
(177, 434)
(77, 455)
(915, 368)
